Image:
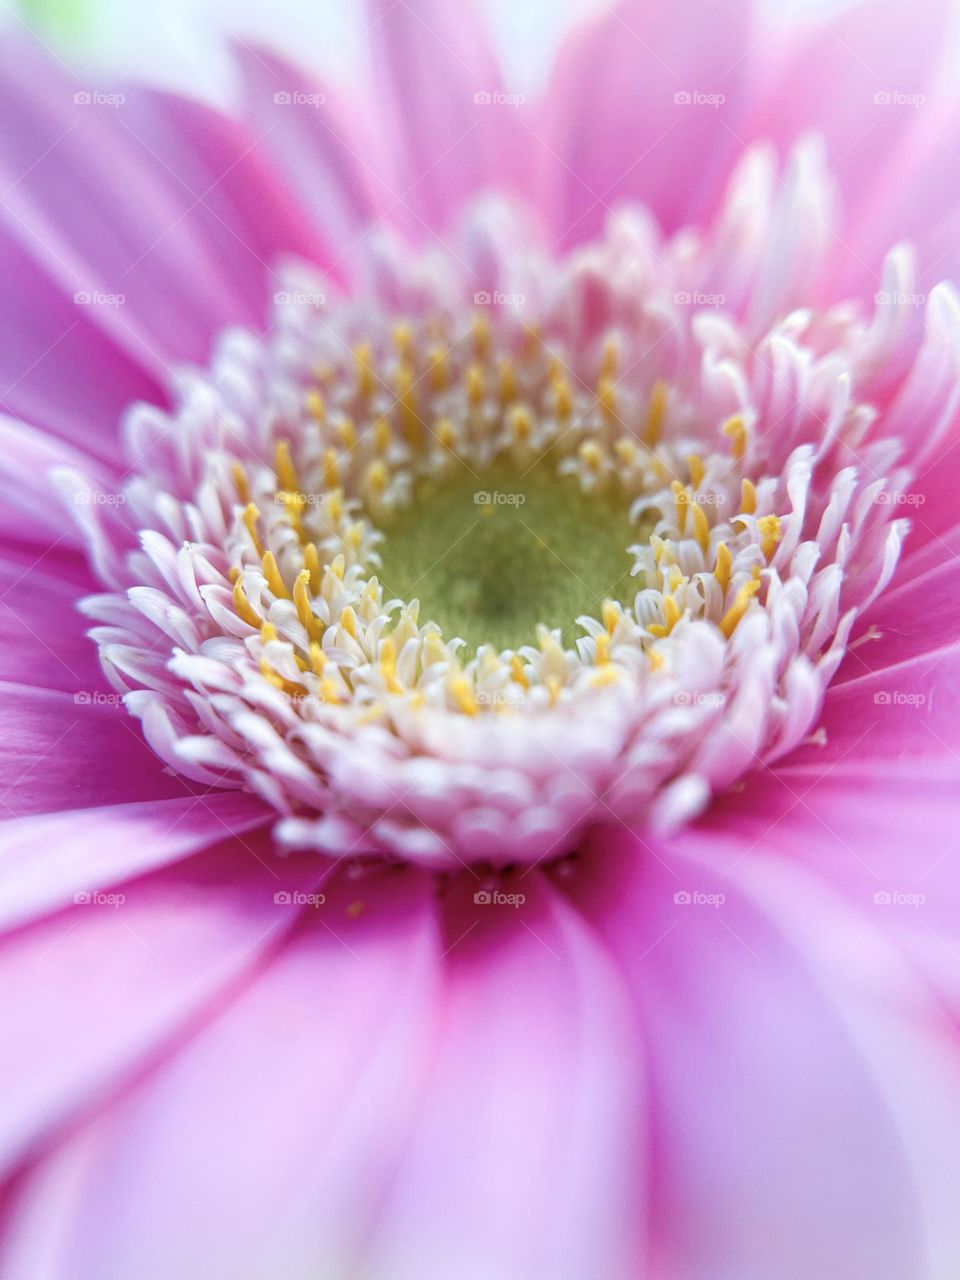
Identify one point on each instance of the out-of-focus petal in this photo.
(644, 104)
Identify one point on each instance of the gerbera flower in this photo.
(480, 758)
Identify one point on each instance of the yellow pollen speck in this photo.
(681, 501)
(695, 463)
(250, 517)
(462, 694)
(242, 606)
(240, 482)
(748, 497)
(736, 433)
(769, 529)
(701, 529)
(739, 607)
(626, 451)
(722, 569)
(610, 615)
(604, 676)
(356, 909)
(553, 684)
(671, 616)
(268, 633)
(655, 658)
(656, 413)
(602, 649)
(271, 572)
(317, 657)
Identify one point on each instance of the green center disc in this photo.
(490, 555)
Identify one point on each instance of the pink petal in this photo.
(798, 1090)
(624, 120)
(100, 990)
(437, 85)
(64, 751)
(45, 860)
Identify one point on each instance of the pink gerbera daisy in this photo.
(479, 585)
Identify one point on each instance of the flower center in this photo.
(491, 554)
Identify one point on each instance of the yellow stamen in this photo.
(366, 379)
(377, 477)
(446, 433)
(404, 340)
(701, 529)
(240, 482)
(748, 497)
(271, 571)
(593, 456)
(517, 672)
(347, 431)
(462, 694)
(769, 529)
(626, 451)
(250, 517)
(388, 665)
(316, 406)
(611, 356)
(736, 433)
(410, 423)
(331, 469)
(473, 379)
(348, 621)
(656, 413)
(520, 422)
(610, 615)
(311, 561)
(242, 606)
(284, 468)
(438, 368)
(562, 395)
(482, 337)
(508, 380)
(697, 469)
(602, 649)
(671, 616)
(301, 598)
(739, 607)
(554, 684)
(382, 435)
(724, 563)
(607, 398)
(681, 501)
